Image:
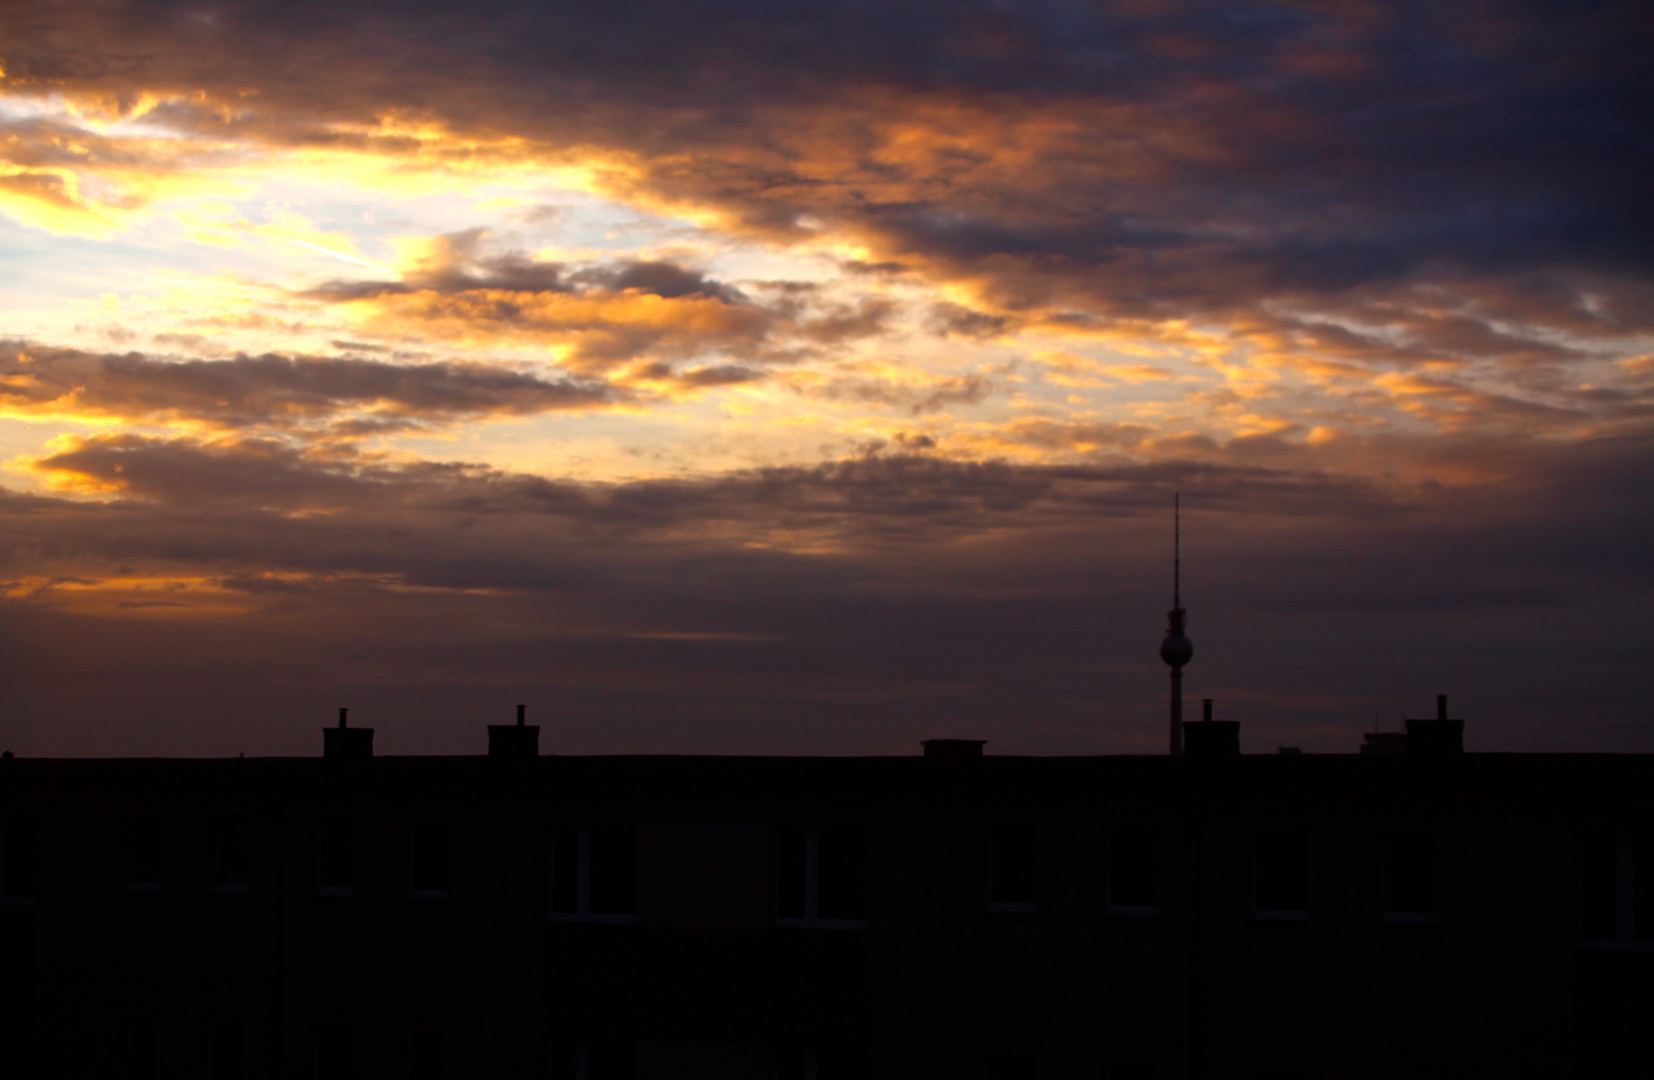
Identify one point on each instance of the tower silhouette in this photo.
(1177, 649)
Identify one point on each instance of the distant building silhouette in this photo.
(1392, 916)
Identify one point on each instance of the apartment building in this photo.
(954, 914)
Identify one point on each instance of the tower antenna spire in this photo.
(1176, 650)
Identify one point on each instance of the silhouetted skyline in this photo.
(937, 915)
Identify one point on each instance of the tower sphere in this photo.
(1177, 650)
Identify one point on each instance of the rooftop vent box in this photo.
(511, 743)
(1435, 740)
(1384, 742)
(953, 748)
(347, 743)
(1208, 739)
(514, 742)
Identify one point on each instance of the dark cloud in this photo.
(656, 278)
(469, 260)
(862, 503)
(869, 499)
(916, 400)
(714, 375)
(276, 390)
(629, 320)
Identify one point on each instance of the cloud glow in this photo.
(306, 314)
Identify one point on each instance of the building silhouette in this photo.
(1383, 916)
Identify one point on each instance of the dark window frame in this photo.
(593, 1058)
(794, 1062)
(817, 846)
(1625, 907)
(581, 872)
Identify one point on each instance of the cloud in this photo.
(1112, 167)
(1371, 285)
(851, 500)
(913, 391)
(276, 390)
(626, 319)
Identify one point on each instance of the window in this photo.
(229, 856)
(143, 1059)
(594, 872)
(821, 876)
(143, 854)
(335, 857)
(792, 1063)
(1013, 870)
(1280, 874)
(1412, 872)
(427, 1055)
(427, 860)
(333, 1052)
(1617, 891)
(228, 1051)
(19, 860)
(1133, 872)
(593, 1059)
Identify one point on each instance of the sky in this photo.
(816, 377)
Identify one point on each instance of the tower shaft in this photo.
(1176, 742)
(1176, 649)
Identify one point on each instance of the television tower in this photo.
(1177, 649)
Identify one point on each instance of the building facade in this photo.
(948, 915)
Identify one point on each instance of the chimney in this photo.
(345, 743)
(953, 748)
(1211, 739)
(1435, 740)
(519, 742)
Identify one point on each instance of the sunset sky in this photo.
(815, 377)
